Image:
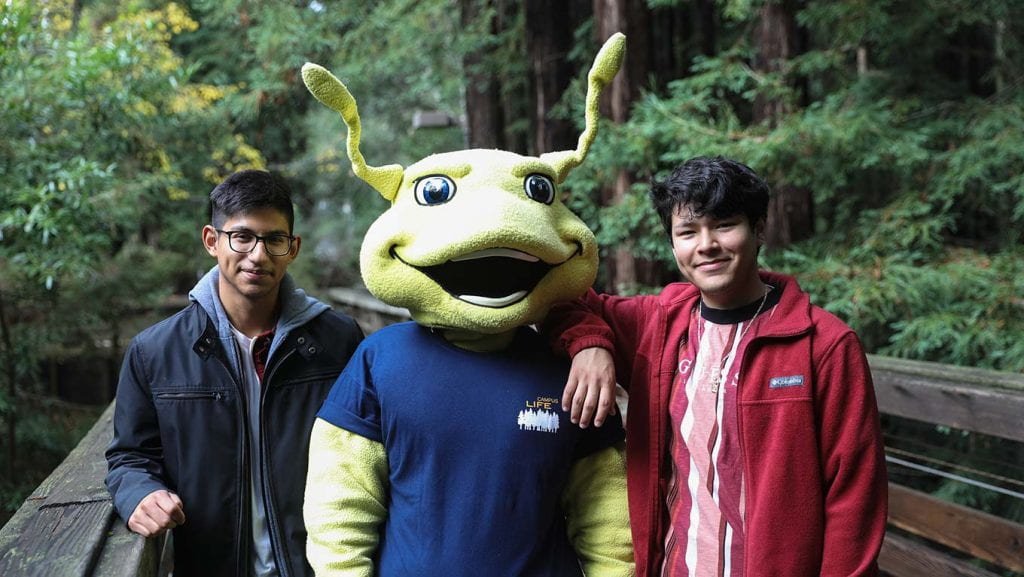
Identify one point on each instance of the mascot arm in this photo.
(597, 514)
(346, 501)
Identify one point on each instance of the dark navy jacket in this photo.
(180, 425)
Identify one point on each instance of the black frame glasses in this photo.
(273, 247)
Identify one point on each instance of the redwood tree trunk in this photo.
(513, 90)
(791, 209)
(675, 33)
(485, 120)
(633, 19)
(549, 35)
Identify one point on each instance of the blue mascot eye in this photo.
(432, 190)
(540, 188)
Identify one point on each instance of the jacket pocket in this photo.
(191, 396)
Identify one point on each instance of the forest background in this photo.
(891, 131)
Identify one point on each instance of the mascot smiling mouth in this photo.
(493, 277)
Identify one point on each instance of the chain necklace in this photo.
(716, 379)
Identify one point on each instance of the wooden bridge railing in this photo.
(68, 525)
(975, 400)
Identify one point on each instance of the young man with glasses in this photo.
(215, 404)
(753, 444)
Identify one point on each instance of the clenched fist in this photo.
(157, 512)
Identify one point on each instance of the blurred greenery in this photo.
(904, 118)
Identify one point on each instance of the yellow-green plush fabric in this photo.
(345, 501)
(332, 93)
(597, 514)
(606, 65)
(488, 210)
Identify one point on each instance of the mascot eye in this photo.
(431, 190)
(540, 188)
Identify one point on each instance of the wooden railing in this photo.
(68, 525)
(975, 400)
(366, 309)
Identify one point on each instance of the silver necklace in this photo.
(716, 379)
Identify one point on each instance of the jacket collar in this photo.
(297, 309)
(790, 317)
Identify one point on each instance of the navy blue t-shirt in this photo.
(478, 449)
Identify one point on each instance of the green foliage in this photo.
(398, 56)
(99, 132)
(98, 155)
(92, 143)
(964, 310)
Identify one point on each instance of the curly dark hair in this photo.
(716, 186)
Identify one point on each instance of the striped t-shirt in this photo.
(706, 490)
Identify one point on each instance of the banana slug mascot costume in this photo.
(441, 449)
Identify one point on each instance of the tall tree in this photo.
(485, 117)
(679, 32)
(549, 28)
(511, 63)
(791, 209)
(104, 132)
(494, 68)
(632, 19)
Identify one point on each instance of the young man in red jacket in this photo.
(753, 441)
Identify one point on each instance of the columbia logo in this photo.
(783, 382)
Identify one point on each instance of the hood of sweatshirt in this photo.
(297, 309)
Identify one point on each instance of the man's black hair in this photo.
(717, 187)
(247, 191)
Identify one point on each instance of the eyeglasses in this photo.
(245, 242)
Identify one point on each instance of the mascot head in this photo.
(475, 240)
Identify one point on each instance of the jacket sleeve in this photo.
(853, 461)
(597, 320)
(345, 503)
(597, 514)
(135, 465)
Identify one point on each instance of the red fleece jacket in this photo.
(816, 496)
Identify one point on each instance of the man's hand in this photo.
(157, 512)
(590, 390)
